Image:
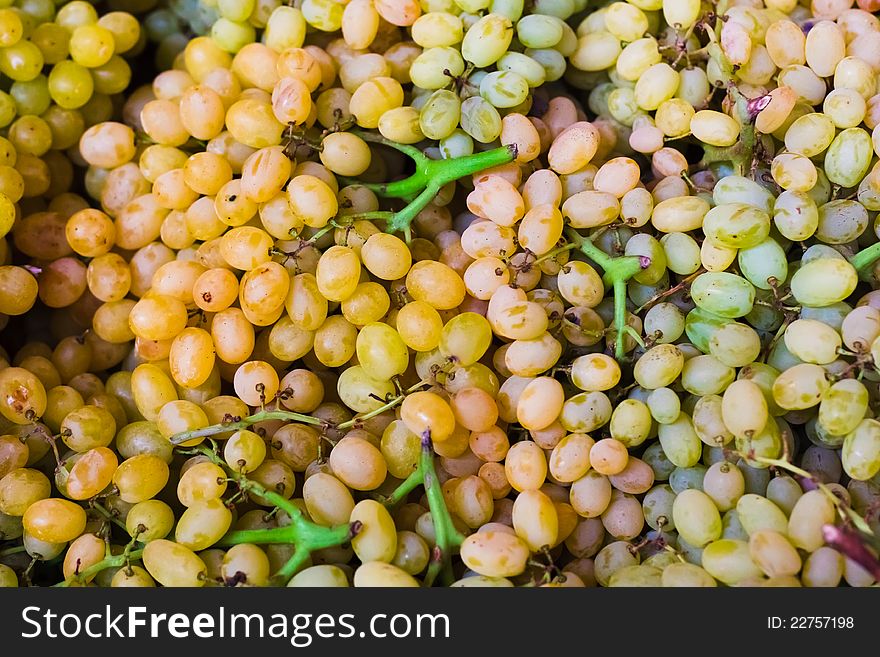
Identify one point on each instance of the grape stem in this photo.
(618, 270)
(846, 513)
(111, 561)
(446, 536)
(430, 176)
(261, 416)
(866, 257)
(305, 535)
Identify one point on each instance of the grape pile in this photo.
(439, 292)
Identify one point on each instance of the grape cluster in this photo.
(473, 293)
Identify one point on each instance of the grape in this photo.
(621, 325)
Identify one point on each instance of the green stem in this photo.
(270, 536)
(555, 252)
(105, 563)
(13, 550)
(291, 567)
(409, 484)
(447, 537)
(305, 535)
(620, 317)
(429, 177)
(866, 257)
(377, 214)
(262, 416)
(109, 515)
(244, 423)
(618, 270)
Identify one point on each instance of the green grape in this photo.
(112, 77)
(552, 61)
(480, 120)
(465, 338)
(739, 189)
(70, 85)
(440, 115)
(8, 109)
(706, 375)
(664, 404)
(236, 10)
(561, 9)
(457, 144)
(539, 31)
(680, 442)
(664, 322)
(723, 294)
(843, 406)
(763, 262)
(530, 69)
(381, 351)
(861, 451)
(487, 40)
(736, 225)
(696, 518)
(324, 15)
(31, 97)
(682, 479)
(91, 45)
(361, 392)
(729, 561)
(512, 9)
(631, 422)
(823, 282)
(21, 62)
(504, 88)
(232, 36)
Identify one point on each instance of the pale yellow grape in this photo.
(323, 575)
(525, 466)
(739, 395)
(825, 47)
(590, 209)
(327, 499)
(202, 524)
(590, 495)
(681, 214)
(714, 128)
(377, 540)
(696, 517)
(573, 456)
(595, 372)
(172, 564)
(659, 366)
(435, 283)
(381, 351)
(535, 519)
(861, 451)
(810, 513)
(729, 561)
(596, 51)
(800, 387)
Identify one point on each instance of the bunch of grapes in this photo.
(473, 293)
